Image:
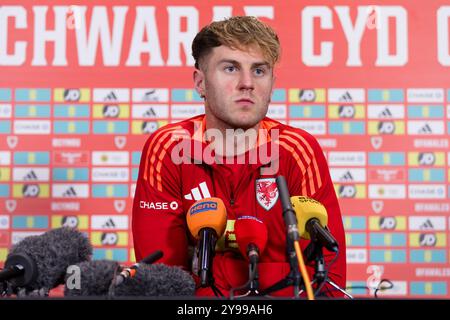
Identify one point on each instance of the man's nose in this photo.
(246, 80)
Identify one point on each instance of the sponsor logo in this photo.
(387, 191)
(427, 191)
(425, 95)
(198, 193)
(347, 191)
(111, 95)
(100, 222)
(426, 223)
(385, 111)
(65, 206)
(73, 143)
(426, 159)
(307, 95)
(355, 256)
(313, 127)
(387, 223)
(150, 111)
(110, 158)
(70, 191)
(109, 238)
(72, 95)
(346, 95)
(202, 207)
(426, 127)
(348, 175)
(187, 110)
(70, 221)
(71, 158)
(5, 158)
(4, 222)
(32, 126)
(277, 111)
(150, 95)
(163, 205)
(336, 158)
(110, 174)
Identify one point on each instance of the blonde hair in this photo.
(239, 32)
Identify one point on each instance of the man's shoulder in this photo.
(161, 142)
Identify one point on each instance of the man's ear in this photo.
(199, 82)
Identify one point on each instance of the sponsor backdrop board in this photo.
(82, 86)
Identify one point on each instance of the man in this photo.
(234, 61)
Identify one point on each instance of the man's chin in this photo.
(244, 124)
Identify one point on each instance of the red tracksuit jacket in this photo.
(167, 188)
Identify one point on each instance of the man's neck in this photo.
(229, 141)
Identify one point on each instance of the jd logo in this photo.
(111, 111)
(72, 95)
(30, 190)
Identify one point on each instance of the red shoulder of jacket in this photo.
(159, 145)
(304, 149)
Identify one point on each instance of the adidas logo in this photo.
(111, 96)
(386, 113)
(70, 192)
(346, 177)
(427, 225)
(198, 193)
(426, 129)
(346, 97)
(150, 113)
(30, 176)
(109, 224)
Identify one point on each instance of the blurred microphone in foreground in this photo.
(38, 263)
(251, 236)
(131, 271)
(99, 278)
(206, 220)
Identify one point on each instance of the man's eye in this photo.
(259, 71)
(230, 69)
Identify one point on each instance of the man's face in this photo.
(237, 86)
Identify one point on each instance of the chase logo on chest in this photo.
(266, 192)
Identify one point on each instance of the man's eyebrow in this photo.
(235, 62)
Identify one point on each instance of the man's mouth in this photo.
(244, 101)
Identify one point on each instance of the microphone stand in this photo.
(294, 276)
(314, 250)
(251, 285)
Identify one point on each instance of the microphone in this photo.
(158, 280)
(312, 222)
(251, 236)
(38, 263)
(206, 220)
(91, 278)
(288, 212)
(97, 279)
(131, 271)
